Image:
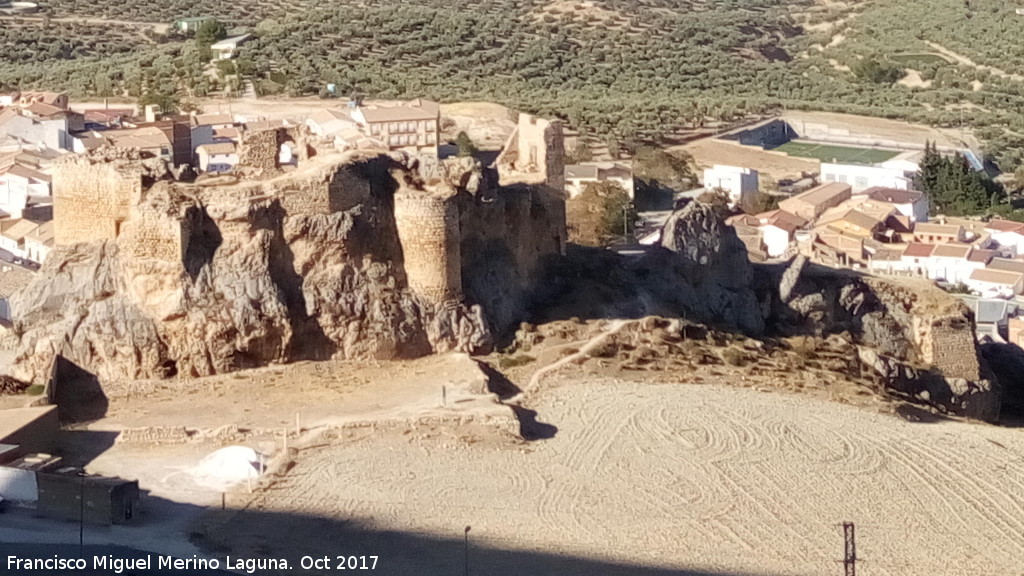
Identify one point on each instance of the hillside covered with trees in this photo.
(626, 70)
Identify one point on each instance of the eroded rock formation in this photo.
(352, 255)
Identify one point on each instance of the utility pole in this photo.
(81, 514)
(850, 559)
(467, 550)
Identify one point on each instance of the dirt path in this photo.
(968, 62)
(678, 477)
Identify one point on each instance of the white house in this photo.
(577, 176)
(211, 129)
(39, 242)
(777, 229)
(12, 235)
(17, 184)
(949, 262)
(217, 158)
(18, 130)
(740, 183)
(228, 47)
(910, 203)
(996, 283)
(861, 177)
(328, 123)
(1008, 235)
(916, 258)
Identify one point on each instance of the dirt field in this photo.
(678, 477)
(709, 151)
(881, 128)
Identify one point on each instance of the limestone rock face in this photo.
(210, 279)
(715, 266)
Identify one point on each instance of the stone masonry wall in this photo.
(428, 228)
(92, 196)
(948, 344)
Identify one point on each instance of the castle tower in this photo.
(428, 229)
(92, 194)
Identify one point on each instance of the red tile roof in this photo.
(918, 250)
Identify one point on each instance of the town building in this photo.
(916, 258)
(39, 242)
(213, 129)
(328, 123)
(1008, 235)
(950, 263)
(217, 158)
(910, 203)
(18, 185)
(12, 235)
(991, 283)
(992, 317)
(776, 230)
(740, 183)
(577, 176)
(411, 126)
(191, 25)
(934, 233)
(227, 48)
(19, 128)
(862, 177)
(813, 203)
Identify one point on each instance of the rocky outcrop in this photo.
(713, 261)
(210, 279)
(917, 340)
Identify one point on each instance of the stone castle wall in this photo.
(93, 196)
(948, 344)
(428, 229)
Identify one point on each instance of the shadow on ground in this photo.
(254, 533)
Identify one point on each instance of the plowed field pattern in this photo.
(694, 477)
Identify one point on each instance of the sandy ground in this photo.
(709, 151)
(913, 80)
(320, 393)
(677, 476)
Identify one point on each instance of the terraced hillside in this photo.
(647, 70)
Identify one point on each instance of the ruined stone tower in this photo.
(428, 229)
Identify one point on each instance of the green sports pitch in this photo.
(838, 154)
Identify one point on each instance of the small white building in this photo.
(777, 230)
(910, 203)
(739, 183)
(17, 184)
(577, 176)
(329, 123)
(12, 235)
(861, 177)
(949, 262)
(227, 48)
(996, 283)
(39, 242)
(1008, 235)
(217, 158)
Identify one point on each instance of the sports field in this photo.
(839, 154)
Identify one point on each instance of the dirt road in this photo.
(672, 477)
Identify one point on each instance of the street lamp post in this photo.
(81, 514)
(466, 535)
